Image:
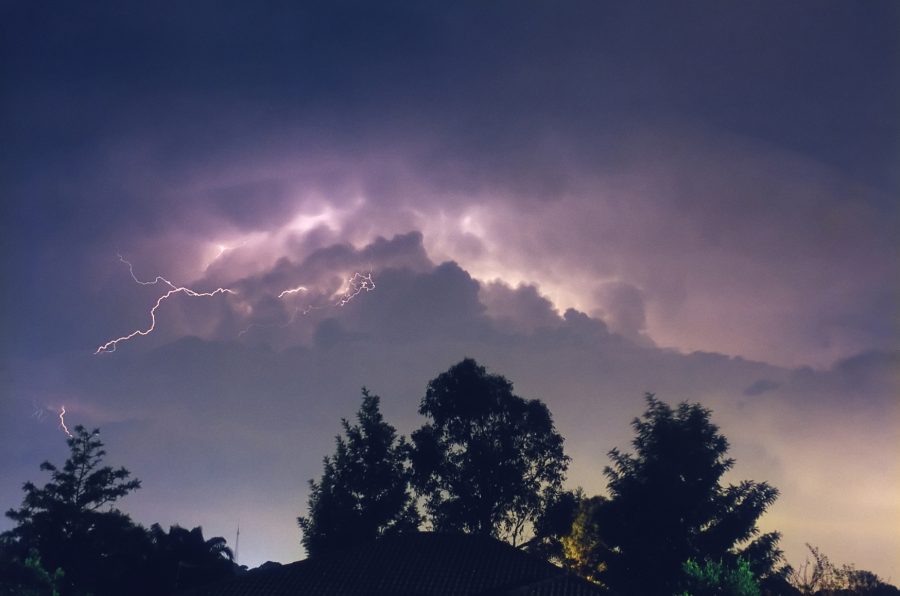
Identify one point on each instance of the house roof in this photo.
(413, 564)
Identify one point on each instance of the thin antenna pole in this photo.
(237, 543)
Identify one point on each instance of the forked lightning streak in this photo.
(112, 344)
(358, 283)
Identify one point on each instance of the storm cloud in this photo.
(596, 200)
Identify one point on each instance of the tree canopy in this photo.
(182, 558)
(70, 539)
(72, 523)
(488, 461)
(485, 462)
(667, 506)
(363, 492)
(80, 488)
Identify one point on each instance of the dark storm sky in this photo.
(595, 199)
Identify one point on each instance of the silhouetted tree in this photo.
(364, 490)
(488, 461)
(821, 577)
(70, 523)
(182, 559)
(666, 506)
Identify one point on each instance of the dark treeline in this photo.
(70, 539)
(490, 462)
(485, 461)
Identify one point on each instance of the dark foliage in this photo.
(583, 546)
(72, 524)
(363, 492)
(667, 506)
(820, 577)
(488, 462)
(554, 522)
(69, 538)
(28, 577)
(714, 578)
(182, 559)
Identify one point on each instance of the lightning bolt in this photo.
(62, 421)
(156, 280)
(356, 284)
(112, 344)
(292, 291)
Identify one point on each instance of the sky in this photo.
(594, 199)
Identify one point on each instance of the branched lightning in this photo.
(62, 421)
(111, 345)
(356, 284)
(158, 279)
(359, 283)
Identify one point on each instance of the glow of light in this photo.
(62, 421)
(111, 345)
(221, 249)
(304, 223)
(471, 223)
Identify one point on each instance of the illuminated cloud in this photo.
(584, 197)
(271, 400)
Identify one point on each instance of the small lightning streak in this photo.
(293, 291)
(111, 345)
(62, 421)
(155, 281)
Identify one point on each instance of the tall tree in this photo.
(666, 506)
(364, 490)
(488, 461)
(72, 525)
